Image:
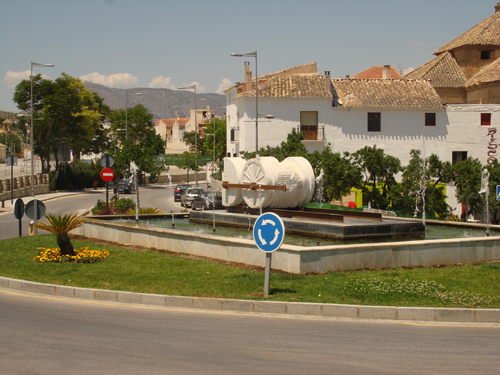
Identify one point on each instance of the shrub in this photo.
(145, 211)
(60, 225)
(125, 204)
(84, 255)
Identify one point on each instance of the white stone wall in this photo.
(458, 128)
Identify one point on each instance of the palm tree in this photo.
(60, 225)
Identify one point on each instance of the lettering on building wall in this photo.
(492, 146)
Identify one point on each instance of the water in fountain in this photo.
(432, 232)
(319, 188)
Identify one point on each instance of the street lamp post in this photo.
(254, 54)
(191, 87)
(31, 131)
(126, 109)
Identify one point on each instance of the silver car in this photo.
(188, 196)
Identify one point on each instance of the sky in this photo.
(167, 44)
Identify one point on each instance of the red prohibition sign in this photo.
(107, 174)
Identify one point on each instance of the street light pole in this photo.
(195, 128)
(254, 54)
(31, 131)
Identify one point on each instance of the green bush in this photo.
(125, 204)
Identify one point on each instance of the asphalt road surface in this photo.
(48, 335)
(152, 196)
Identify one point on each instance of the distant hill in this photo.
(162, 103)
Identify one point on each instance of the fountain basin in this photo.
(349, 228)
(300, 259)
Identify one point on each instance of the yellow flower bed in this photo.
(84, 255)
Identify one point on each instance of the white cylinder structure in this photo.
(232, 173)
(261, 171)
(295, 173)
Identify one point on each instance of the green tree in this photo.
(42, 129)
(467, 177)
(10, 139)
(293, 146)
(379, 172)
(340, 175)
(135, 141)
(64, 112)
(188, 139)
(188, 162)
(419, 183)
(220, 138)
(494, 180)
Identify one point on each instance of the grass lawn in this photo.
(177, 274)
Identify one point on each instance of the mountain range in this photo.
(162, 103)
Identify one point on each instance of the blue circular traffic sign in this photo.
(268, 232)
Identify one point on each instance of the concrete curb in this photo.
(421, 314)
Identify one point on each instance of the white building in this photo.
(172, 130)
(396, 115)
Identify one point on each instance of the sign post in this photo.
(107, 174)
(11, 160)
(19, 213)
(268, 234)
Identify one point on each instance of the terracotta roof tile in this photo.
(292, 86)
(485, 33)
(489, 73)
(443, 72)
(376, 72)
(385, 93)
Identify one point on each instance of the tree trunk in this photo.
(65, 245)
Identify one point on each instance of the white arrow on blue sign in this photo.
(268, 232)
(498, 192)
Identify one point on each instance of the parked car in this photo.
(189, 195)
(207, 200)
(125, 186)
(179, 190)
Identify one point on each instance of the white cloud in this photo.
(161, 83)
(408, 70)
(226, 83)
(11, 79)
(113, 80)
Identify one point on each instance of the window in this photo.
(485, 119)
(309, 125)
(430, 119)
(486, 55)
(458, 156)
(373, 121)
(235, 134)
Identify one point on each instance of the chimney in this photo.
(327, 81)
(248, 76)
(497, 7)
(386, 73)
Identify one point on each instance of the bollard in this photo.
(32, 228)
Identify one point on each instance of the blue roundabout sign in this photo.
(268, 232)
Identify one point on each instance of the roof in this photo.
(485, 33)
(385, 93)
(171, 121)
(489, 73)
(376, 72)
(299, 69)
(292, 86)
(443, 71)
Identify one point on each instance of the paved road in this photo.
(159, 196)
(47, 335)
